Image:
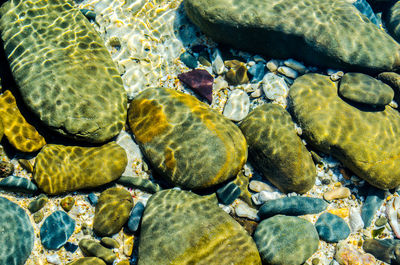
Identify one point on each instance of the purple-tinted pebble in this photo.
(199, 81)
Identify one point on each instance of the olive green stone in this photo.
(365, 140)
(277, 151)
(109, 242)
(182, 136)
(181, 228)
(381, 221)
(93, 248)
(25, 164)
(38, 216)
(393, 80)
(318, 32)
(237, 73)
(112, 211)
(392, 20)
(88, 261)
(364, 89)
(38, 203)
(67, 203)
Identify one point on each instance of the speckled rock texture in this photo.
(112, 211)
(191, 229)
(358, 137)
(22, 135)
(65, 75)
(392, 21)
(88, 261)
(286, 240)
(59, 169)
(277, 151)
(319, 32)
(16, 234)
(181, 136)
(362, 88)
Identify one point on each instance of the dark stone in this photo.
(189, 60)
(70, 247)
(56, 230)
(199, 81)
(135, 217)
(18, 184)
(38, 203)
(372, 203)
(331, 228)
(228, 193)
(6, 169)
(93, 199)
(386, 250)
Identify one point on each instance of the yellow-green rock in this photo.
(365, 140)
(237, 73)
(112, 211)
(65, 74)
(277, 151)
(22, 135)
(60, 168)
(88, 261)
(181, 228)
(188, 143)
(1, 130)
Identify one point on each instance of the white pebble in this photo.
(243, 210)
(217, 62)
(274, 86)
(247, 170)
(295, 65)
(251, 63)
(288, 72)
(53, 259)
(258, 186)
(256, 94)
(220, 83)
(336, 76)
(273, 65)
(238, 105)
(264, 196)
(226, 208)
(355, 220)
(393, 104)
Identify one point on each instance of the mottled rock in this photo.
(18, 184)
(93, 248)
(365, 89)
(139, 183)
(331, 228)
(392, 21)
(22, 135)
(392, 80)
(355, 136)
(16, 234)
(277, 151)
(371, 205)
(338, 193)
(200, 81)
(56, 230)
(237, 106)
(38, 203)
(274, 87)
(88, 261)
(294, 205)
(6, 169)
(237, 73)
(181, 135)
(66, 62)
(135, 217)
(112, 211)
(228, 193)
(385, 250)
(192, 230)
(67, 203)
(286, 240)
(109, 242)
(60, 169)
(348, 255)
(282, 29)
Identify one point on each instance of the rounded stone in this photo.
(93, 248)
(67, 203)
(18, 184)
(181, 135)
(56, 230)
(38, 203)
(6, 169)
(237, 106)
(112, 211)
(331, 228)
(88, 261)
(16, 234)
(286, 240)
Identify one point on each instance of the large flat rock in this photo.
(366, 140)
(319, 32)
(65, 74)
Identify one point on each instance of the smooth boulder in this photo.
(358, 137)
(181, 136)
(277, 151)
(327, 33)
(64, 72)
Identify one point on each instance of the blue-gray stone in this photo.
(228, 193)
(189, 60)
(16, 234)
(89, 14)
(372, 203)
(295, 205)
(70, 247)
(139, 183)
(56, 230)
(135, 217)
(286, 240)
(385, 250)
(93, 199)
(18, 184)
(366, 10)
(331, 228)
(257, 71)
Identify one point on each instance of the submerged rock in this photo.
(182, 137)
(51, 69)
(192, 230)
(319, 32)
(88, 261)
(56, 230)
(200, 81)
(358, 137)
(93, 248)
(332, 228)
(371, 205)
(392, 21)
(348, 255)
(277, 151)
(18, 184)
(237, 106)
(385, 250)
(60, 168)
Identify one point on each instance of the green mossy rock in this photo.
(88, 261)
(319, 32)
(365, 89)
(392, 21)
(286, 240)
(112, 211)
(65, 74)
(93, 248)
(180, 227)
(188, 143)
(393, 80)
(277, 151)
(59, 169)
(365, 140)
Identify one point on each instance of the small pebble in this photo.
(38, 203)
(256, 94)
(135, 217)
(93, 199)
(381, 221)
(295, 65)
(109, 242)
(336, 76)
(67, 203)
(258, 186)
(93, 248)
(348, 255)
(238, 105)
(288, 72)
(189, 60)
(264, 196)
(355, 220)
(228, 193)
(338, 193)
(38, 216)
(6, 169)
(128, 245)
(53, 259)
(243, 210)
(217, 62)
(331, 228)
(70, 247)
(25, 164)
(342, 212)
(272, 65)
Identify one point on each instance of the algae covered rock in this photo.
(22, 135)
(16, 234)
(364, 89)
(286, 240)
(276, 150)
(65, 75)
(60, 168)
(88, 261)
(180, 227)
(187, 142)
(112, 211)
(365, 140)
(319, 32)
(392, 20)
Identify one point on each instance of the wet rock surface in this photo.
(56, 230)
